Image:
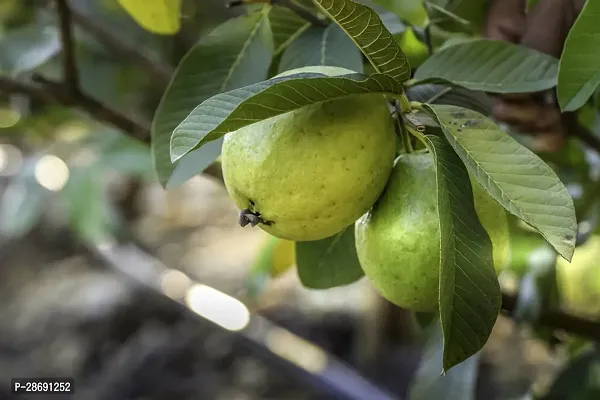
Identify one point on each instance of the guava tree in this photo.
(387, 165)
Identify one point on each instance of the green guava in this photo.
(398, 242)
(309, 173)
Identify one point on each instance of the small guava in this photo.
(398, 242)
(308, 174)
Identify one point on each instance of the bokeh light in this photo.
(51, 172)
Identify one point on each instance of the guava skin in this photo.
(398, 242)
(312, 172)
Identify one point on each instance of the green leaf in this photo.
(330, 262)
(578, 379)
(27, 48)
(470, 297)
(428, 384)
(21, 205)
(517, 178)
(456, 96)
(492, 66)
(195, 162)
(156, 16)
(411, 11)
(235, 54)
(90, 213)
(286, 26)
(579, 67)
(365, 28)
(530, 4)
(233, 110)
(322, 46)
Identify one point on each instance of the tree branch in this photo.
(58, 92)
(154, 67)
(51, 91)
(578, 326)
(70, 73)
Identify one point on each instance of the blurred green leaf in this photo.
(322, 46)
(579, 380)
(27, 48)
(366, 29)
(330, 262)
(492, 66)
(233, 110)
(157, 16)
(89, 210)
(286, 26)
(469, 293)
(579, 67)
(513, 175)
(235, 54)
(22, 203)
(429, 384)
(531, 4)
(411, 11)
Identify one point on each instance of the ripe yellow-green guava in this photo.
(398, 242)
(309, 173)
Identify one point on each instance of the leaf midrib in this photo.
(265, 10)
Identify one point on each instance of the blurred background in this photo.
(141, 293)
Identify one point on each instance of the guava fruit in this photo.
(309, 173)
(398, 242)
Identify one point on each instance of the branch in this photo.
(59, 93)
(70, 73)
(55, 92)
(159, 71)
(578, 326)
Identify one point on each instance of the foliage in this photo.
(226, 80)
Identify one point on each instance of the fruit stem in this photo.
(401, 128)
(408, 147)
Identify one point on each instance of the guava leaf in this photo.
(227, 112)
(235, 54)
(330, 262)
(194, 163)
(156, 16)
(428, 384)
(27, 48)
(513, 175)
(365, 28)
(492, 66)
(286, 26)
(469, 297)
(579, 67)
(322, 46)
(455, 96)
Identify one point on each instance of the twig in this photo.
(159, 71)
(70, 73)
(578, 326)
